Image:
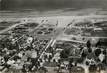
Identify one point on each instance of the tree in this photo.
(88, 44)
(65, 53)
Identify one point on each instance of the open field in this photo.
(54, 12)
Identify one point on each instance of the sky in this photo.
(33, 4)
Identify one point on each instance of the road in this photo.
(10, 27)
(50, 42)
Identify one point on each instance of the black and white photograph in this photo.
(53, 36)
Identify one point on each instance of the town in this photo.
(58, 44)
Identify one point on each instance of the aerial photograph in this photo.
(53, 36)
